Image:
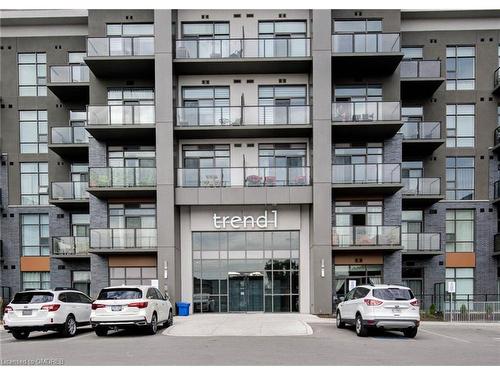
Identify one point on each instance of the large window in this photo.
(129, 215)
(135, 96)
(32, 69)
(132, 156)
(460, 120)
(459, 178)
(36, 280)
(34, 184)
(357, 26)
(80, 280)
(459, 231)
(357, 274)
(246, 271)
(351, 153)
(35, 234)
(131, 275)
(33, 132)
(464, 282)
(358, 93)
(213, 96)
(413, 53)
(129, 29)
(460, 67)
(205, 30)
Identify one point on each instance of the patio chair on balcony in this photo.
(270, 181)
(254, 180)
(300, 180)
(211, 181)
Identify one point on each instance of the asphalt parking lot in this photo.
(435, 344)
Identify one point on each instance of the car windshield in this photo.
(32, 297)
(122, 293)
(393, 294)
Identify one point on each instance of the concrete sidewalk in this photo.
(244, 325)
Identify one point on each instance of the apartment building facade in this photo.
(251, 160)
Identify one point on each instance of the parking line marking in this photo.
(446, 336)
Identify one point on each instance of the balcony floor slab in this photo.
(71, 91)
(419, 147)
(243, 131)
(71, 151)
(121, 66)
(349, 190)
(376, 130)
(122, 192)
(413, 88)
(71, 204)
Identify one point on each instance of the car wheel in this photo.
(340, 323)
(153, 326)
(410, 332)
(69, 327)
(170, 320)
(20, 335)
(101, 331)
(361, 329)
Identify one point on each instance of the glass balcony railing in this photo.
(250, 115)
(121, 115)
(496, 141)
(420, 69)
(366, 111)
(496, 190)
(242, 48)
(120, 46)
(123, 238)
(496, 243)
(421, 130)
(421, 186)
(70, 245)
(247, 176)
(421, 241)
(366, 174)
(69, 73)
(381, 235)
(69, 190)
(122, 177)
(496, 78)
(366, 43)
(69, 135)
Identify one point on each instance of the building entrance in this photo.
(246, 292)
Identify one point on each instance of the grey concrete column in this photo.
(168, 273)
(321, 247)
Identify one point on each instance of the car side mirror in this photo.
(341, 299)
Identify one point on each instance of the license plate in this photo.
(396, 311)
(116, 308)
(27, 312)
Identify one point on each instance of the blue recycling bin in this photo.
(183, 308)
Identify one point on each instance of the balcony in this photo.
(70, 247)
(366, 179)
(121, 122)
(243, 121)
(496, 245)
(69, 82)
(496, 141)
(368, 238)
(496, 192)
(69, 195)
(375, 120)
(496, 81)
(373, 53)
(421, 138)
(421, 243)
(124, 57)
(420, 78)
(123, 240)
(70, 142)
(122, 182)
(421, 191)
(242, 56)
(244, 185)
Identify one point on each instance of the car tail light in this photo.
(372, 302)
(97, 306)
(7, 309)
(139, 305)
(415, 303)
(51, 307)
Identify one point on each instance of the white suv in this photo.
(130, 306)
(47, 310)
(389, 307)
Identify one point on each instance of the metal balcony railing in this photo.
(421, 130)
(421, 186)
(120, 46)
(242, 48)
(366, 173)
(123, 238)
(496, 77)
(70, 245)
(381, 235)
(420, 69)
(366, 111)
(365, 43)
(69, 135)
(421, 241)
(248, 115)
(243, 176)
(69, 190)
(69, 73)
(121, 115)
(122, 177)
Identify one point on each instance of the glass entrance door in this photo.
(246, 292)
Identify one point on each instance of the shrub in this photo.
(432, 309)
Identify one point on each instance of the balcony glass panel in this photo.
(421, 241)
(421, 69)
(496, 78)
(365, 43)
(69, 135)
(70, 245)
(122, 177)
(120, 46)
(366, 236)
(366, 111)
(121, 238)
(69, 190)
(422, 186)
(366, 173)
(421, 130)
(121, 115)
